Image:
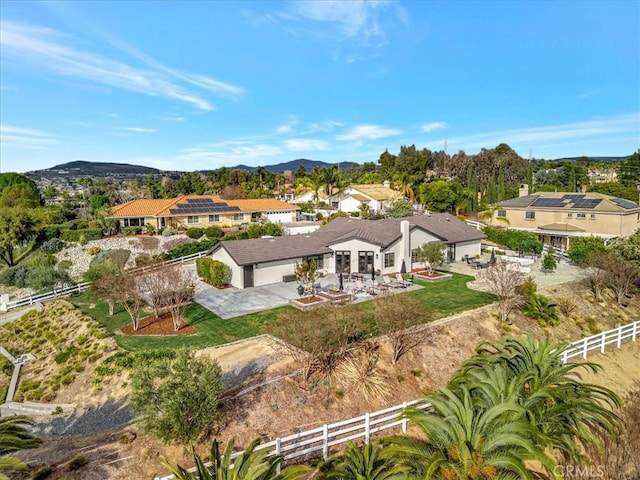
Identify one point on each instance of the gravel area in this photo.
(80, 258)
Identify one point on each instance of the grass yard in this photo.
(212, 330)
(449, 297)
(442, 298)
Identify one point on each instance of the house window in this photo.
(389, 259)
(343, 261)
(593, 216)
(530, 215)
(365, 261)
(569, 215)
(319, 259)
(191, 219)
(133, 222)
(238, 217)
(214, 218)
(581, 216)
(502, 213)
(414, 255)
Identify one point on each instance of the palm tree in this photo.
(464, 442)
(15, 436)
(405, 182)
(489, 215)
(565, 413)
(251, 464)
(330, 176)
(363, 463)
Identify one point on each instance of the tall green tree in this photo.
(629, 170)
(17, 190)
(17, 227)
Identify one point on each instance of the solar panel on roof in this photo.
(591, 203)
(621, 202)
(548, 202)
(573, 196)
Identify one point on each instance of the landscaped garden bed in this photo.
(163, 325)
(308, 303)
(434, 276)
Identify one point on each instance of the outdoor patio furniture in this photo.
(391, 283)
(402, 281)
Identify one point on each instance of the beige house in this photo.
(375, 196)
(559, 216)
(202, 211)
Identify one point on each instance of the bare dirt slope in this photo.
(290, 404)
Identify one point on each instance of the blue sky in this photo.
(195, 85)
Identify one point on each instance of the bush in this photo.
(214, 232)
(524, 242)
(132, 230)
(582, 248)
(168, 231)
(54, 245)
(76, 463)
(15, 276)
(151, 230)
(143, 259)
(189, 249)
(194, 232)
(42, 473)
(51, 231)
(212, 271)
(541, 309)
(87, 233)
(203, 267)
(93, 250)
(118, 256)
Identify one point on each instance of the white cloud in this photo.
(325, 126)
(369, 132)
(232, 153)
(284, 129)
(140, 130)
(305, 145)
(174, 119)
(430, 127)
(18, 137)
(48, 49)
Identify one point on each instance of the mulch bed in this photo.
(158, 326)
(425, 273)
(309, 300)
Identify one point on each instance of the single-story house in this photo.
(202, 211)
(375, 196)
(557, 217)
(347, 245)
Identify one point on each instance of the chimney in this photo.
(523, 190)
(387, 184)
(405, 255)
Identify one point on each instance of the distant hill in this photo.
(81, 168)
(594, 159)
(293, 165)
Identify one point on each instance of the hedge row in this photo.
(212, 271)
(524, 242)
(87, 233)
(189, 249)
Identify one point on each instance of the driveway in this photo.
(232, 302)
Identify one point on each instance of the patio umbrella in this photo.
(341, 280)
(373, 274)
(403, 268)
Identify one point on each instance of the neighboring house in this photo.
(202, 211)
(559, 216)
(346, 245)
(375, 196)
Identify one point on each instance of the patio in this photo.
(232, 302)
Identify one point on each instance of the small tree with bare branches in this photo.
(620, 275)
(502, 280)
(180, 296)
(127, 293)
(394, 316)
(105, 287)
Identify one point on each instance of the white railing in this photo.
(321, 439)
(311, 443)
(581, 348)
(476, 225)
(80, 287)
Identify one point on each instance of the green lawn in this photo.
(443, 298)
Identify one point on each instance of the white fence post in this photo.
(634, 331)
(404, 419)
(585, 349)
(604, 334)
(367, 428)
(325, 441)
(278, 453)
(619, 336)
(565, 356)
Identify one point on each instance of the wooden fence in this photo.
(80, 287)
(312, 443)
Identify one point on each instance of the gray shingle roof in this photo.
(379, 232)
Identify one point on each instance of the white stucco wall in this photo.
(350, 204)
(280, 217)
(354, 246)
(300, 228)
(236, 271)
(272, 272)
(467, 248)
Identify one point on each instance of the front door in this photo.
(452, 252)
(248, 276)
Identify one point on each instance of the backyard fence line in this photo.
(80, 287)
(321, 439)
(476, 225)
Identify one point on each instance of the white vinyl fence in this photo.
(80, 287)
(309, 444)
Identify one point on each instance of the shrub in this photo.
(151, 230)
(582, 248)
(549, 263)
(212, 271)
(16, 276)
(194, 232)
(541, 309)
(203, 267)
(132, 230)
(42, 473)
(51, 231)
(189, 249)
(93, 250)
(214, 232)
(168, 231)
(528, 288)
(82, 240)
(87, 233)
(143, 259)
(118, 256)
(51, 246)
(518, 240)
(76, 463)
(6, 366)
